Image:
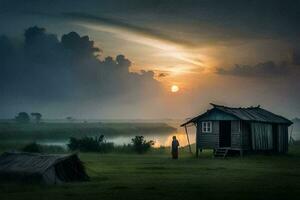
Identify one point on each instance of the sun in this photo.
(174, 88)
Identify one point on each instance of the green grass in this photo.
(156, 176)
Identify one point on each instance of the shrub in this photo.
(22, 117)
(90, 144)
(140, 145)
(32, 148)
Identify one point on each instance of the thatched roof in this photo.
(49, 169)
(256, 114)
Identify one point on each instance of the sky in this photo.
(113, 59)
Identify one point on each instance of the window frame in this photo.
(206, 126)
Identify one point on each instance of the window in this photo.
(206, 127)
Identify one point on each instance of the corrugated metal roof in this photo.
(248, 114)
(29, 162)
(50, 169)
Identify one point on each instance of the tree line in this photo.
(24, 117)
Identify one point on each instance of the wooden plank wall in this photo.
(240, 136)
(262, 136)
(208, 140)
(283, 138)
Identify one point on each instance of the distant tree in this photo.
(90, 144)
(32, 148)
(37, 117)
(140, 145)
(22, 117)
(70, 119)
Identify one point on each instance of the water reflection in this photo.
(160, 139)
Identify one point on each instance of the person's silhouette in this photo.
(175, 145)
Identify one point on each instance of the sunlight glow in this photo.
(168, 49)
(174, 88)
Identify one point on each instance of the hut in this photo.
(253, 129)
(49, 169)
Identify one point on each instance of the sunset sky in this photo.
(236, 53)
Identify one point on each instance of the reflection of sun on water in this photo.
(181, 137)
(157, 144)
(167, 140)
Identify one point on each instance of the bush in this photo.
(32, 148)
(90, 144)
(140, 145)
(22, 117)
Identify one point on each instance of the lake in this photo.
(118, 132)
(160, 139)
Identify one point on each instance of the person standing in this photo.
(175, 145)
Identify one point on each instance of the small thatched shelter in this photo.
(49, 169)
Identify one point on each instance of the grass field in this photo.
(156, 176)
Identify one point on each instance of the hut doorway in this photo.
(225, 134)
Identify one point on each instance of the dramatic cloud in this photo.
(197, 22)
(295, 57)
(145, 31)
(266, 69)
(60, 74)
(162, 75)
(44, 69)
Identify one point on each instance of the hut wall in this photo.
(208, 140)
(235, 134)
(282, 138)
(262, 136)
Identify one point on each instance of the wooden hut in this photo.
(226, 129)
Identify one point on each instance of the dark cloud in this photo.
(149, 32)
(81, 45)
(6, 49)
(265, 69)
(295, 57)
(162, 75)
(183, 22)
(44, 69)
